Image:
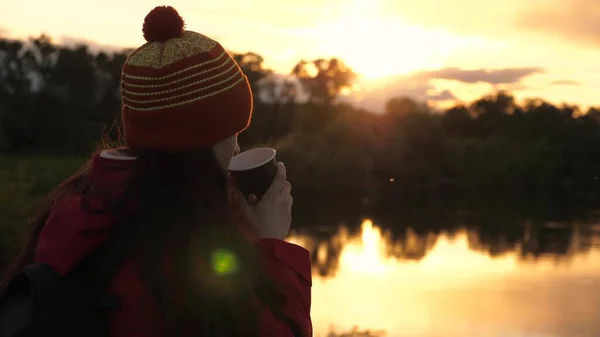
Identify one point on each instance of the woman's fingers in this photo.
(286, 189)
(252, 200)
(277, 183)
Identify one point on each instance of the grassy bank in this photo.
(24, 181)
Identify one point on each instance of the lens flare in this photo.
(224, 262)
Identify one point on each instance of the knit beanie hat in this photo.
(181, 90)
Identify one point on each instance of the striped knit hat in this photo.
(181, 90)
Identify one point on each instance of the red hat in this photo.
(181, 90)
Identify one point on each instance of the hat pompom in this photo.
(162, 23)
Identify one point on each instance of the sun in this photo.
(376, 47)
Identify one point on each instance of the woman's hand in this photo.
(272, 214)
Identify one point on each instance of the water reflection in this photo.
(533, 280)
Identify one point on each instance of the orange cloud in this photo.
(573, 20)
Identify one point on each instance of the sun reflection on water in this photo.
(451, 290)
(369, 255)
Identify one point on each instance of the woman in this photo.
(204, 261)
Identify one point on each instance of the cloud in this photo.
(374, 96)
(445, 95)
(565, 82)
(375, 99)
(420, 86)
(416, 86)
(494, 77)
(573, 20)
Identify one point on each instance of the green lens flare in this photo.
(224, 262)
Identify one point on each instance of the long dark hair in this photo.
(184, 220)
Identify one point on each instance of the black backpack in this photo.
(39, 302)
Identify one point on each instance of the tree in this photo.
(253, 67)
(323, 80)
(42, 56)
(402, 106)
(278, 90)
(15, 95)
(457, 121)
(14, 79)
(491, 112)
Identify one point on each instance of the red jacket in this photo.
(70, 234)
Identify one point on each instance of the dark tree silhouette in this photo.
(323, 79)
(252, 66)
(59, 100)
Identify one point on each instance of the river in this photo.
(544, 282)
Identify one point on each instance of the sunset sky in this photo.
(428, 49)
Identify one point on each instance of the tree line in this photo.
(59, 100)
